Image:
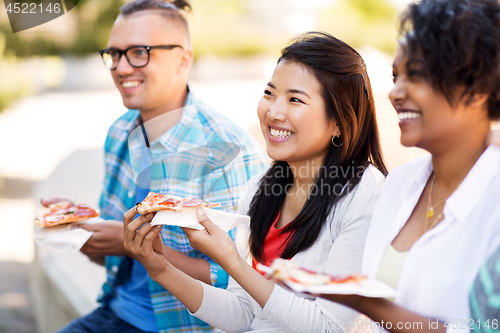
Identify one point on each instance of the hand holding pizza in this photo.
(212, 241)
(144, 242)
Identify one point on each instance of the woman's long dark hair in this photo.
(348, 97)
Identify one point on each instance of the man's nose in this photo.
(123, 67)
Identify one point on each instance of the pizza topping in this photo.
(85, 211)
(154, 202)
(189, 203)
(51, 202)
(287, 270)
(65, 212)
(53, 218)
(212, 204)
(170, 201)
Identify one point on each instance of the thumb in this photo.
(203, 218)
(77, 226)
(158, 241)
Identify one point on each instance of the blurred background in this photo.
(57, 101)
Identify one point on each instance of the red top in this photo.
(274, 244)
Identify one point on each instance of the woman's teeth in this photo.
(408, 115)
(130, 84)
(280, 134)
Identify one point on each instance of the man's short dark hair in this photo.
(174, 9)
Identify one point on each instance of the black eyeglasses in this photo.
(137, 56)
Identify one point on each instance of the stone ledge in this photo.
(65, 286)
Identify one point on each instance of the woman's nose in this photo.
(277, 111)
(398, 92)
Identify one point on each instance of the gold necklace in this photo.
(430, 207)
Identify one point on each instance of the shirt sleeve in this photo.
(231, 310)
(484, 297)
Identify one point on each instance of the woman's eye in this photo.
(268, 93)
(415, 73)
(394, 77)
(295, 99)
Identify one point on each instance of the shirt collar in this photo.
(188, 126)
(467, 195)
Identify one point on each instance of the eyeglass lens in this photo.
(137, 57)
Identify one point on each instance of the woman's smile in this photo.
(278, 135)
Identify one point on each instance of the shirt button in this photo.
(130, 194)
(114, 268)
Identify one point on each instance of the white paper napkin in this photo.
(63, 238)
(187, 218)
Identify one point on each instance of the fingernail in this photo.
(149, 215)
(199, 212)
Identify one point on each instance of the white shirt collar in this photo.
(463, 200)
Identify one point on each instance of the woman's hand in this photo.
(213, 241)
(144, 241)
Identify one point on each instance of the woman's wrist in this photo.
(233, 265)
(163, 273)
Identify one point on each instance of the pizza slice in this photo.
(155, 202)
(63, 212)
(286, 270)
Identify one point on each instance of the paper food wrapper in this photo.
(63, 238)
(367, 287)
(187, 219)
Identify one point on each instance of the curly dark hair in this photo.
(457, 42)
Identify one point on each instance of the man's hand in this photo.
(107, 239)
(144, 241)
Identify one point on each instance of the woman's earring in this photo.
(333, 142)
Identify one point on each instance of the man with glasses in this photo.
(199, 153)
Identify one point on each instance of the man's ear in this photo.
(185, 62)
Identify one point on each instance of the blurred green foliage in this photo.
(219, 27)
(362, 22)
(93, 31)
(94, 20)
(13, 82)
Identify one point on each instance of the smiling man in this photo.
(149, 55)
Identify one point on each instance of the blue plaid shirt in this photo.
(189, 160)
